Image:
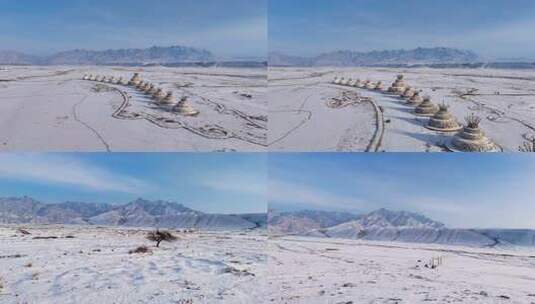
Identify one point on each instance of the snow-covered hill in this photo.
(403, 226)
(300, 222)
(384, 218)
(139, 213)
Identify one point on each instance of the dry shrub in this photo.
(237, 272)
(23, 231)
(140, 249)
(528, 146)
(159, 236)
(45, 237)
(97, 88)
(473, 121)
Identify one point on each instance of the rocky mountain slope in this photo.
(384, 218)
(402, 226)
(259, 219)
(141, 213)
(418, 56)
(300, 222)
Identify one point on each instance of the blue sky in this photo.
(492, 28)
(460, 190)
(211, 182)
(228, 28)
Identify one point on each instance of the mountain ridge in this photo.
(436, 55)
(305, 220)
(401, 226)
(146, 56)
(137, 213)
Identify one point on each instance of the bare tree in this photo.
(159, 236)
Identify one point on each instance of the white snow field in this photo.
(52, 109)
(301, 120)
(319, 270)
(95, 266)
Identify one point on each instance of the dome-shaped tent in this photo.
(147, 88)
(140, 85)
(398, 85)
(472, 139)
(151, 90)
(169, 99)
(407, 93)
(379, 86)
(443, 121)
(184, 108)
(415, 99)
(135, 80)
(158, 95)
(426, 108)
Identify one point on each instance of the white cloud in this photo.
(63, 170)
(236, 182)
(292, 193)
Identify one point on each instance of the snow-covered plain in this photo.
(50, 108)
(300, 119)
(95, 266)
(316, 270)
(91, 264)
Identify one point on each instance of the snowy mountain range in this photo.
(13, 57)
(418, 56)
(399, 226)
(153, 55)
(138, 213)
(300, 222)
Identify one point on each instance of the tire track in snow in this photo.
(299, 125)
(76, 118)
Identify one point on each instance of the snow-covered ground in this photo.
(300, 119)
(52, 109)
(89, 264)
(94, 266)
(312, 270)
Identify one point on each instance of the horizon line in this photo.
(120, 203)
